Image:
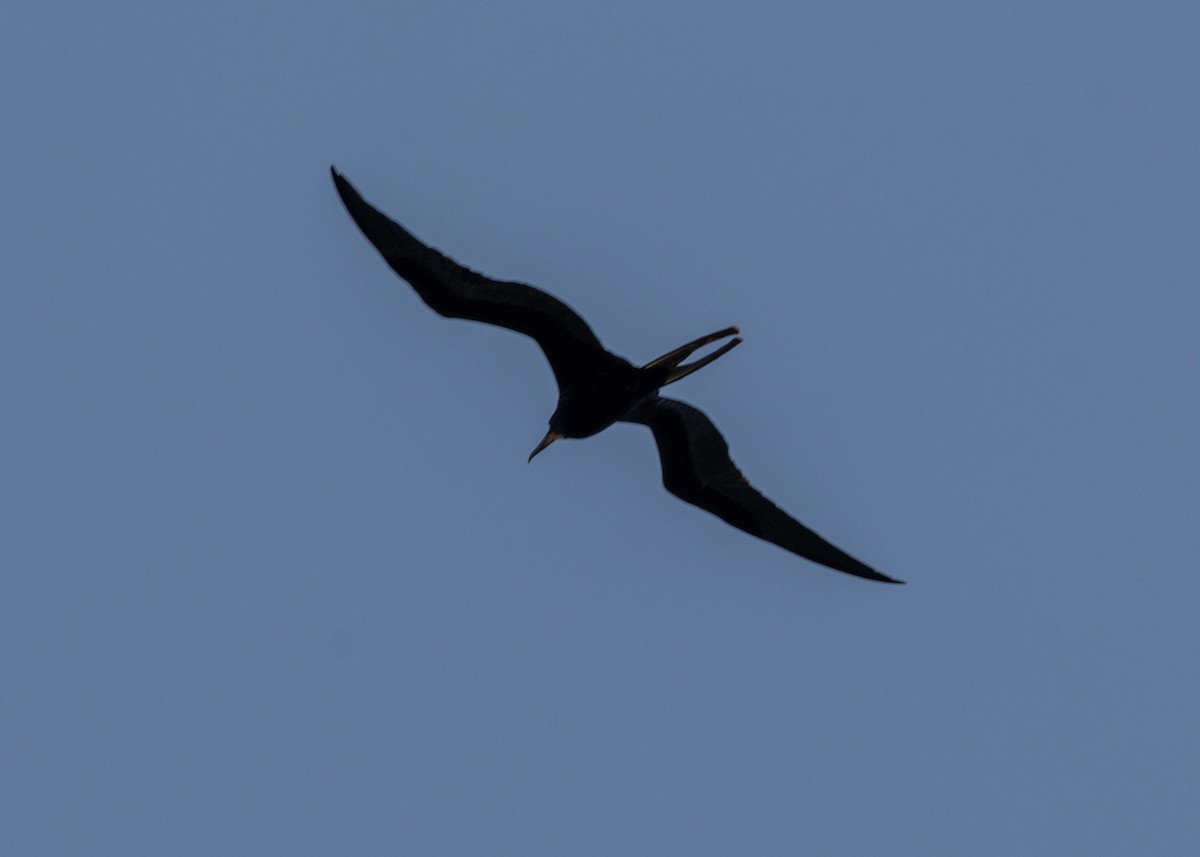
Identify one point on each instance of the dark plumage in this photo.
(598, 388)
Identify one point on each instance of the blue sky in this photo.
(275, 577)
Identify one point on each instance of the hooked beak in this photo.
(550, 437)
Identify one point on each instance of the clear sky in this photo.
(275, 577)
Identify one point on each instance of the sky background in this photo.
(275, 577)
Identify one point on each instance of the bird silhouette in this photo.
(596, 388)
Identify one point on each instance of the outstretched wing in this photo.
(697, 469)
(458, 292)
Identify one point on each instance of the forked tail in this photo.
(672, 361)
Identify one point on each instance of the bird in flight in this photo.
(596, 388)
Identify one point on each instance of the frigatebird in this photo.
(596, 388)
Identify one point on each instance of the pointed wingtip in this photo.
(860, 570)
(350, 197)
(881, 578)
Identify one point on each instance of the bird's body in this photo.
(598, 388)
(585, 409)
